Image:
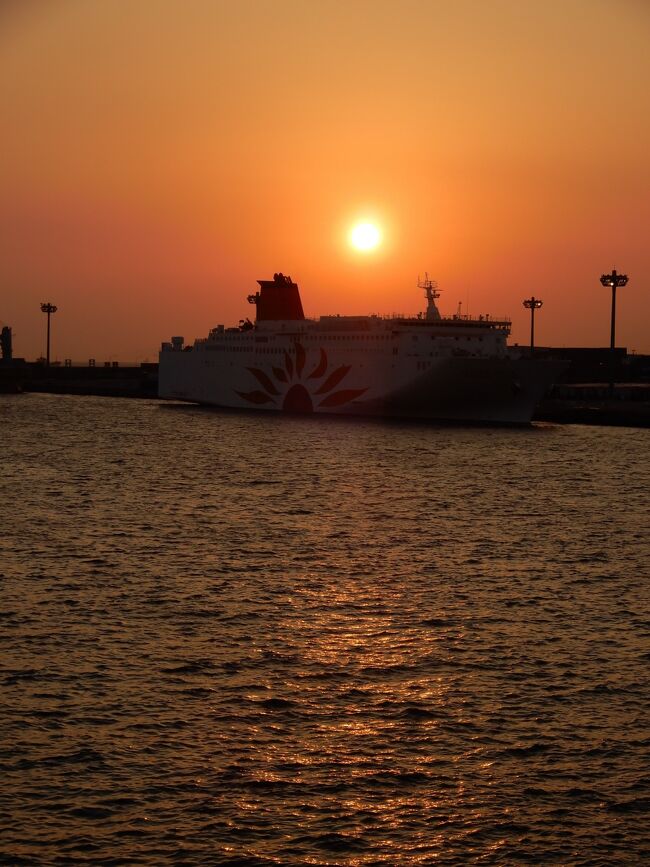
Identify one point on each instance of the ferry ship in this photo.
(455, 369)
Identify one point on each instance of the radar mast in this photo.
(431, 292)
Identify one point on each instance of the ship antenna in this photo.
(430, 287)
(430, 293)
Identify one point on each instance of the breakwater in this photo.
(104, 381)
(627, 404)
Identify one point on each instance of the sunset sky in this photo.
(159, 156)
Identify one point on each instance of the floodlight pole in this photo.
(48, 308)
(532, 304)
(614, 280)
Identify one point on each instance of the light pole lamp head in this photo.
(533, 303)
(48, 308)
(614, 279)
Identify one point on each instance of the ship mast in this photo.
(431, 292)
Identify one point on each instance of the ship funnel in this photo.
(277, 299)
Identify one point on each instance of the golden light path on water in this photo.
(358, 633)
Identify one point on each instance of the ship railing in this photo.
(100, 361)
(349, 321)
(465, 319)
(421, 317)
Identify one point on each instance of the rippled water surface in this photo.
(255, 640)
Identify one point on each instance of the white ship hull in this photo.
(497, 390)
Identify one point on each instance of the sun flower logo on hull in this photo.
(290, 391)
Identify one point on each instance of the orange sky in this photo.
(159, 156)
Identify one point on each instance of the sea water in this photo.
(254, 639)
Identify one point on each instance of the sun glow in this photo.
(365, 237)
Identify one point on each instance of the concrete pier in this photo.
(104, 381)
(627, 404)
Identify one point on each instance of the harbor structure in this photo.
(48, 308)
(614, 280)
(532, 304)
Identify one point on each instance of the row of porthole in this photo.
(444, 337)
(259, 351)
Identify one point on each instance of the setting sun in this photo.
(365, 236)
